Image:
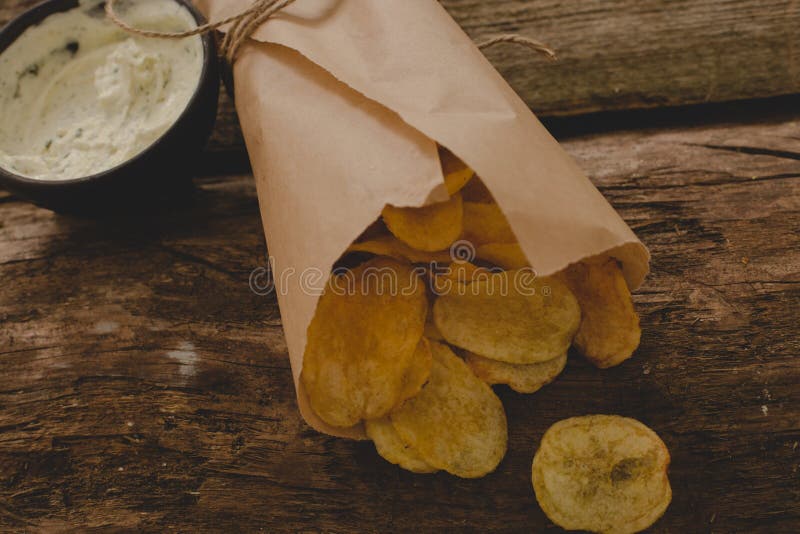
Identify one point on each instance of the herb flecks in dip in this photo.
(79, 96)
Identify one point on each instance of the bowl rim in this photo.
(42, 11)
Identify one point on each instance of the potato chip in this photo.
(510, 316)
(392, 449)
(375, 230)
(418, 372)
(447, 277)
(428, 228)
(362, 341)
(392, 247)
(602, 473)
(431, 332)
(456, 173)
(506, 255)
(456, 423)
(609, 332)
(486, 223)
(476, 191)
(521, 378)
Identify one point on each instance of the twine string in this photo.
(245, 23)
(521, 40)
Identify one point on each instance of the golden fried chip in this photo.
(456, 173)
(476, 191)
(448, 277)
(505, 255)
(521, 378)
(392, 247)
(602, 473)
(456, 423)
(510, 316)
(374, 230)
(392, 449)
(486, 223)
(362, 341)
(418, 372)
(609, 332)
(431, 332)
(428, 228)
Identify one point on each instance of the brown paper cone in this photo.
(342, 103)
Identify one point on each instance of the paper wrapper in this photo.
(342, 103)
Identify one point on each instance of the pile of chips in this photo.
(408, 338)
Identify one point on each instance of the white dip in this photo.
(80, 96)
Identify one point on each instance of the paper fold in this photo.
(342, 103)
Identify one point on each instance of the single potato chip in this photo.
(506, 255)
(476, 191)
(429, 228)
(486, 223)
(362, 341)
(392, 449)
(602, 473)
(510, 316)
(456, 173)
(418, 372)
(609, 332)
(456, 423)
(392, 247)
(521, 378)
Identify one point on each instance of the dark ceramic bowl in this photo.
(161, 170)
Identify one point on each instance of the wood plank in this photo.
(622, 54)
(626, 54)
(143, 385)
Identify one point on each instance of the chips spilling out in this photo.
(528, 378)
(362, 342)
(379, 352)
(602, 473)
(498, 319)
(609, 330)
(456, 423)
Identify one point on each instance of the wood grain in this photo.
(622, 54)
(143, 386)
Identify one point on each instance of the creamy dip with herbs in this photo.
(80, 96)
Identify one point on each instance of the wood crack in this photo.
(756, 151)
(738, 180)
(200, 261)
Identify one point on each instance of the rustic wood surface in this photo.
(144, 386)
(619, 54)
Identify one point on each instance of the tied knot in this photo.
(245, 23)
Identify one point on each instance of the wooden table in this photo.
(144, 386)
